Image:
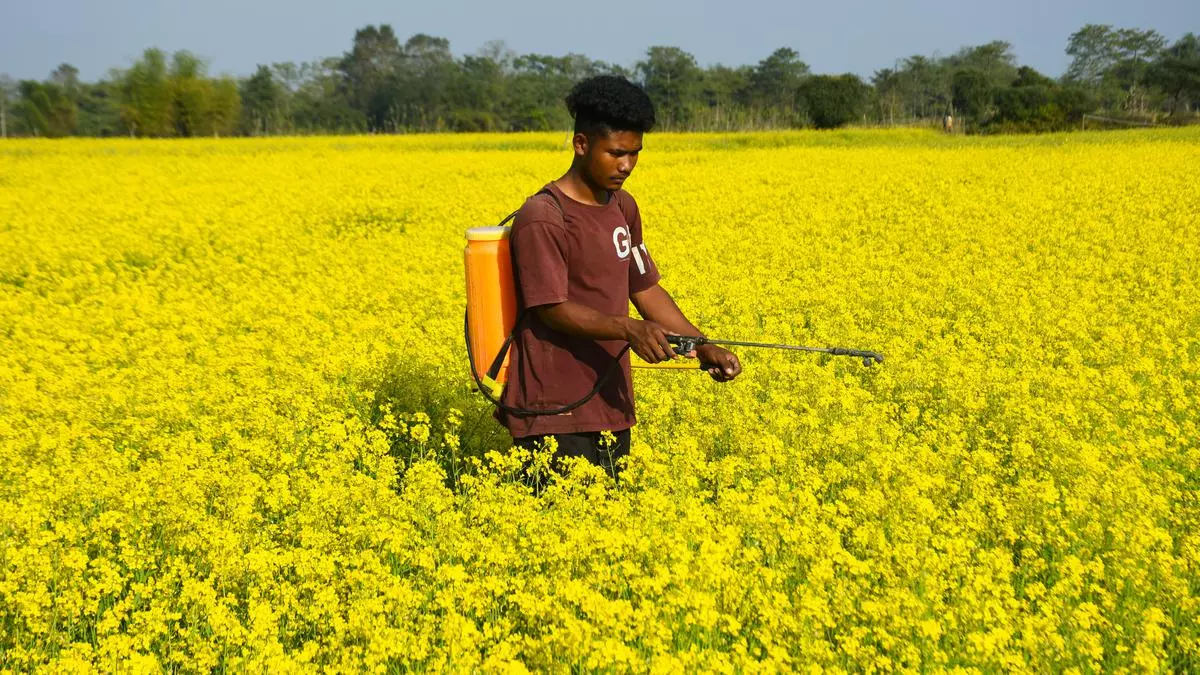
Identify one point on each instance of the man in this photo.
(579, 259)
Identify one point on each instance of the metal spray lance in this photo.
(684, 344)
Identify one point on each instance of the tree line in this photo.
(384, 85)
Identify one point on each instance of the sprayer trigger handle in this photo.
(685, 344)
(678, 344)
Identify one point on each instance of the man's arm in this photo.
(646, 338)
(657, 305)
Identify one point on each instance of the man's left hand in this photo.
(721, 364)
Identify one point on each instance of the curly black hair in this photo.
(606, 103)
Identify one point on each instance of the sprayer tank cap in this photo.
(491, 233)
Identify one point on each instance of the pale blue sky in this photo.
(858, 36)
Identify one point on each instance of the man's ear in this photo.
(580, 141)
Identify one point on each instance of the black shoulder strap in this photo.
(498, 362)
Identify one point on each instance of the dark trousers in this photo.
(588, 445)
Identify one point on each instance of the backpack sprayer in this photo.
(491, 320)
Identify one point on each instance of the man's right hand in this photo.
(648, 340)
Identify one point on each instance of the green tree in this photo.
(775, 84)
(536, 89)
(99, 109)
(262, 102)
(995, 61)
(371, 65)
(1136, 49)
(725, 86)
(479, 96)
(1177, 73)
(1028, 77)
(1035, 102)
(972, 90)
(671, 78)
(66, 76)
(925, 84)
(1093, 50)
(223, 109)
(723, 98)
(321, 102)
(1114, 63)
(540, 83)
(290, 78)
(146, 97)
(191, 92)
(835, 100)
(45, 109)
(419, 94)
(889, 91)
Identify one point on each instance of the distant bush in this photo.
(1034, 102)
(834, 101)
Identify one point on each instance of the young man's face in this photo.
(609, 158)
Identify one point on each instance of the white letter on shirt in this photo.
(621, 242)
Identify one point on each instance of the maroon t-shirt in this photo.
(593, 255)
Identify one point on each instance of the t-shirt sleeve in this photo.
(643, 273)
(541, 259)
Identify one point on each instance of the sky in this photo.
(856, 36)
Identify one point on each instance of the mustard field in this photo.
(238, 432)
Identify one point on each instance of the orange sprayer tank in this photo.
(491, 300)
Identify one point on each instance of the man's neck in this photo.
(576, 186)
